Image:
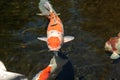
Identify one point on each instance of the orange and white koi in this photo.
(55, 32)
(113, 45)
(52, 70)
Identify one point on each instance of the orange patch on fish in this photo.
(57, 27)
(44, 75)
(112, 42)
(55, 23)
(54, 42)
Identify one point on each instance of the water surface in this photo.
(92, 22)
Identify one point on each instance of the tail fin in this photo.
(115, 56)
(45, 7)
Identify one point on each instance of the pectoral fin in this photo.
(68, 38)
(114, 56)
(40, 14)
(42, 38)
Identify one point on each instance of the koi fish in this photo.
(6, 75)
(55, 32)
(51, 71)
(113, 45)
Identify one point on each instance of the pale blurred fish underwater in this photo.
(45, 7)
(6, 75)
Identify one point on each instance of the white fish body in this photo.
(6, 75)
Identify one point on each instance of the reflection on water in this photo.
(91, 22)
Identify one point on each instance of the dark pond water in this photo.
(92, 22)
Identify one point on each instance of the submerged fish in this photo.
(6, 75)
(52, 70)
(113, 45)
(55, 32)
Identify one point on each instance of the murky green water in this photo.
(92, 22)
